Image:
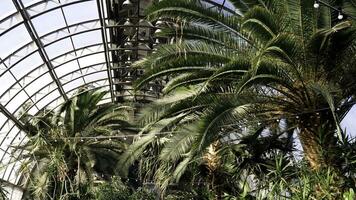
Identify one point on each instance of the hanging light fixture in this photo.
(128, 44)
(156, 42)
(128, 47)
(127, 3)
(128, 28)
(159, 23)
(158, 31)
(340, 16)
(128, 61)
(316, 4)
(128, 22)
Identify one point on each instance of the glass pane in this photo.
(13, 40)
(49, 22)
(73, 84)
(6, 8)
(2, 120)
(49, 38)
(349, 122)
(75, 13)
(11, 20)
(6, 81)
(67, 68)
(92, 59)
(96, 76)
(86, 39)
(9, 127)
(48, 99)
(27, 65)
(35, 86)
(59, 48)
(16, 102)
(20, 54)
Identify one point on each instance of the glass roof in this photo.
(49, 48)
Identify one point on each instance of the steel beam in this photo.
(12, 117)
(9, 184)
(105, 41)
(34, 35)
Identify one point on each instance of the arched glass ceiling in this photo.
(49, 48)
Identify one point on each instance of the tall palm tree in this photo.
(64, 152)
(273, 60)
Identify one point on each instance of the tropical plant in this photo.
(220, 168)
(116, 189)
(64, 152)
(3, 192)
(272, 63)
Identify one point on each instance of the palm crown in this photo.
(276, 60)
(65, 147)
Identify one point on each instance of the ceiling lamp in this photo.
(127, 3)
(159, 23)
(128, 44)
(340, 16)
(158, 31)
(316, 4)
(156, 42)
(127, 22)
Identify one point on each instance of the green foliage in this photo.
(61, 154)
(3, 192)
(242, 88)
(116, 189)
(275, 70)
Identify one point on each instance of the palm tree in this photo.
(64, 152)
(173, 145)
(271, 61)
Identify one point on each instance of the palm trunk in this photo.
(320, 153)
(312, 149)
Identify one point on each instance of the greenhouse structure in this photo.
(177, 99)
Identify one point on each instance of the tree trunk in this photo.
(312, 148)
(320, 147)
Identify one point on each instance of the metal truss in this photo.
(12, 117)
(82, 53)
(105, 40)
